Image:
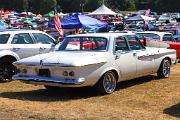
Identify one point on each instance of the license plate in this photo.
(44, 73)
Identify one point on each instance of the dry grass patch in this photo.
(140, 99)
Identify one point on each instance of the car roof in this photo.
(18, 31)
(106, 35)
(155, 32)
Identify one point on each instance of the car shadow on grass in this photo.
(173, 110)
(66, 94)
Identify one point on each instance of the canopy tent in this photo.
(103, 10)
(51, 14)
(141, 18)
(79, 21)
(7, 12)
(146, 18)
(27, 13)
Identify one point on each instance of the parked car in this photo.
(18, 44)
(175, 32)
(99, 59)
(161, 40)
(175, 25)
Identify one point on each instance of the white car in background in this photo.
(100, 60)
(18, 44)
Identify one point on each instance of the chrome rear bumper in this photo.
(37, 80)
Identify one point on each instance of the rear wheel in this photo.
(107, 84)
(7, 70)
(164, 70)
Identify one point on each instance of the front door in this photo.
(144, 57)
(125, 59)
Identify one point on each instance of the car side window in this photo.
(43, 39)
(22, 38)
(4, 38)
(148, 35)
(121, 44)
(167, 37)
(134, 43)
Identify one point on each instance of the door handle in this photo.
(134, 54)
(16, 49)
(41, 48)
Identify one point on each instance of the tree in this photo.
(25, 4)
(68, 6)
(122, 4)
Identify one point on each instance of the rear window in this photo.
(148, 35)
(84, 44)
(4, 38)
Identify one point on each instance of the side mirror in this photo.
(56, 42)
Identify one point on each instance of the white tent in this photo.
(103, 10)
(29, 13)
(146, 18)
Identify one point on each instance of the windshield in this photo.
(4, 38)
(148, 35)
(84, 44)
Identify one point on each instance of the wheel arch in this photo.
(114, 70)
(9, 54)
(8, 58)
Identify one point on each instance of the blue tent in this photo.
(79, 21)
(3, 25)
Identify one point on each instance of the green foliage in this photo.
(122, 4)
(67, 6)
(25, 5)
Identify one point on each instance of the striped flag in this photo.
(57, 23)
(147, 12)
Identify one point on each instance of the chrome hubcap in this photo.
(109, 82)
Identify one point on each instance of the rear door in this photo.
(23, 45)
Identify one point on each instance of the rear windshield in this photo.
(4, 38)
(84, 44)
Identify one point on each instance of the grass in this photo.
(146, 98)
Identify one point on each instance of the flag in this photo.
(147, 12)
(57, 23)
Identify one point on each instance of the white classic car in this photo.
(100, 60)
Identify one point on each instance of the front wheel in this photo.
(164, 70)
(107, 84)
